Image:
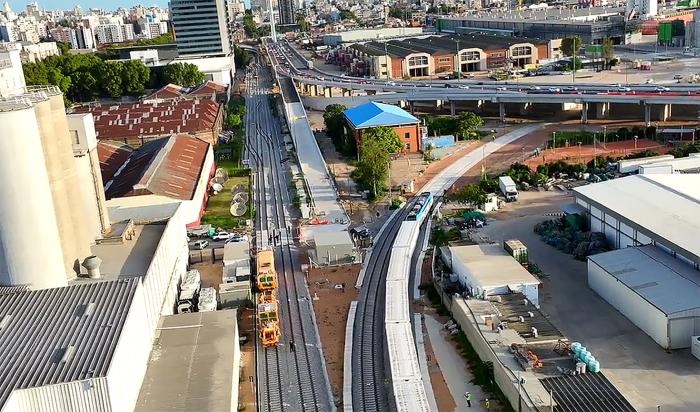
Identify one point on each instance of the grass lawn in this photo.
(218, 208)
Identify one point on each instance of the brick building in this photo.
(439, 55)
(366, 116)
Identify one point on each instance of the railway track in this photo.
(288, 378)
(370, 391)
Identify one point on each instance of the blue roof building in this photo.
(372, 114)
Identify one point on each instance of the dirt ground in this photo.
(331, 307)
(211, 273)
(443, 397)
(584, 154)
(246, 386)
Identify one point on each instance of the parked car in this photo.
(221, 236)
(661, 89)
(200, 244)
(624, 89)
(237, 237)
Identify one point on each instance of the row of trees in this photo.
(83, 77)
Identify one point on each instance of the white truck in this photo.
(508, 188)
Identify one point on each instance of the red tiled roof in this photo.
(146, 119)
(112, 156)
(170, 167)
(207, 89)
(169, 91)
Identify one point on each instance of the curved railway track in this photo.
(370, 392)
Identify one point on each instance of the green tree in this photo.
(468, 122)
(390, 141)
(348, 15)
(439, 237)
(608, 51)
(84, 86)
(109, 77)
(472, 194)
(241, 57)
(372, 170)
(135, 75)
(303, 24)
(570, 45)
(249, 26)
(234, 120)
(183, 74)
(63, 47)
(335, 129)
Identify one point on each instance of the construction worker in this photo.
(468, 397)
(487, 404)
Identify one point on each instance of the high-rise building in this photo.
(201, 27)
(641, 8)
(114, 33)
(286, 9)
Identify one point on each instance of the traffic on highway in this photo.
(291, 64)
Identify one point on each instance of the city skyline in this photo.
(19, 5)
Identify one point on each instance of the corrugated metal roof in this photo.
(60, 335)
(374, 114)
(112, 156)
(665, 282)
(491, 266)
(665, 206)
(168, 167)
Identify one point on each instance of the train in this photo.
(407, 384)
(267, 304)
(421, 207)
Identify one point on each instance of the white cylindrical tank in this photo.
(30, 247)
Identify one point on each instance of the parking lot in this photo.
(646, 375)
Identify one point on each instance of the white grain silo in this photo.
(30, 246)
(71, 214)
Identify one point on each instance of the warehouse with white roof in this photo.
(659, 294)
(660, 210)
(487, 269)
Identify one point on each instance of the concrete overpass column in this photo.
(403, 104)
(312, 89)
(502, 111)
(584, 113)
(665, 112)
(602, 110)
(453, 110)
(479, 104)
(410, 107)
(647, 115)
(328, 92)
(438, 104)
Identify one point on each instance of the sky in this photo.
(19, 5)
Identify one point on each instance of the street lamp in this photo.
(554, 142)
(635, 142)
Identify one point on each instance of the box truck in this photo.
(508, 188)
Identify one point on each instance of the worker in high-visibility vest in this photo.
(468, 397)
(487, 404)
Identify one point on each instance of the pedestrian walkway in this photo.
(453, 368)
